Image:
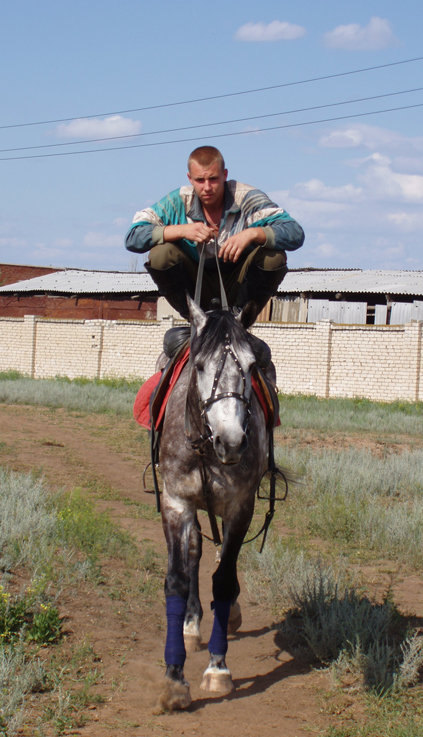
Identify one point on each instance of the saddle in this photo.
(151, 400)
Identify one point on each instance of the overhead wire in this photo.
(214, 97)
(212, 124)
(217, 135)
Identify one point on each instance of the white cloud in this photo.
(274, 31)
(370, 137)
(12, 243)
(347, 138)
(114, 125)
(97, 239)
(63, 243)
(315, 189)
(327, 250)
(49, 254)
(376, 35)
(406, 222)
(121, 222)
(382, 182)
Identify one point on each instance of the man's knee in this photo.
(269, 259)
(165, 256)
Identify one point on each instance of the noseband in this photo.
(214, 397)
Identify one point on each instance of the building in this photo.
(345, 296)
(349, 296)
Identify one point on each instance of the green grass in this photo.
(58, 539)
(94, 533)
(350, 415)
(115, 395)
(327, 619)
(353, 498)
(397, 716)
(97, 396)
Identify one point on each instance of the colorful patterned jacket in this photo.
(244, 207)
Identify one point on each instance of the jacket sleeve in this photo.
(148, 225)
(144, 235)
(283, 233)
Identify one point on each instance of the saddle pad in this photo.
(151, 400)
(160, 385)
(141, 409)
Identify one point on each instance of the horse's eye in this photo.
(199, 366)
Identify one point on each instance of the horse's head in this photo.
(222, 361)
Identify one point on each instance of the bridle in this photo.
(205, 404)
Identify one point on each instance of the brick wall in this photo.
(323, 359)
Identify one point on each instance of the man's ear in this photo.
(248, 314)
(196, 315)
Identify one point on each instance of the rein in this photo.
(274, 473)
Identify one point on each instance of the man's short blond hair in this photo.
(205, 156)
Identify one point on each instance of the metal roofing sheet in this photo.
(75, 281)
(353, 281)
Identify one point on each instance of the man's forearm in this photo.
(173, 233)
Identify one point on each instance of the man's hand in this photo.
(236, 244)
(199, 232)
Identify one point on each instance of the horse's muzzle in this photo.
(230, 452)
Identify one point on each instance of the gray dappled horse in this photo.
(214, 435)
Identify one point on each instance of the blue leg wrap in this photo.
(218, 643)
(175, 612)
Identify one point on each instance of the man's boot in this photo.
(173, 283)
(260, 285)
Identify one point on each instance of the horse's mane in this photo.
(219, 324)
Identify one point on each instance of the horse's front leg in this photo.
(217, 676)
(178, 525)
(194, 611)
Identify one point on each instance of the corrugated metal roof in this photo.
(75, 281)
(355, 281)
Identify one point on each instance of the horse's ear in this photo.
(196, 315)
(248, 314)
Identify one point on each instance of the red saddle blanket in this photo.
(151, 400)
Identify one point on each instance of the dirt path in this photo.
(275, 693)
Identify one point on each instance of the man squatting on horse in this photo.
(214, 390)
(252, 235)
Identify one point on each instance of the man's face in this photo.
(208, 182)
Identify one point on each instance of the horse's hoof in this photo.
(192, 643)
(235, 618)
(175, 695)
(218, 680)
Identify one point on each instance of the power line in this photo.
(213, 97)
(217, 135)
(215, 123)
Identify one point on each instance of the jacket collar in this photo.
(229, 205)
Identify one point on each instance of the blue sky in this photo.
(100, 69)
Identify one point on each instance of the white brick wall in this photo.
(378, 362)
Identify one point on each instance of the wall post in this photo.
(30, 333)
(324, 347)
